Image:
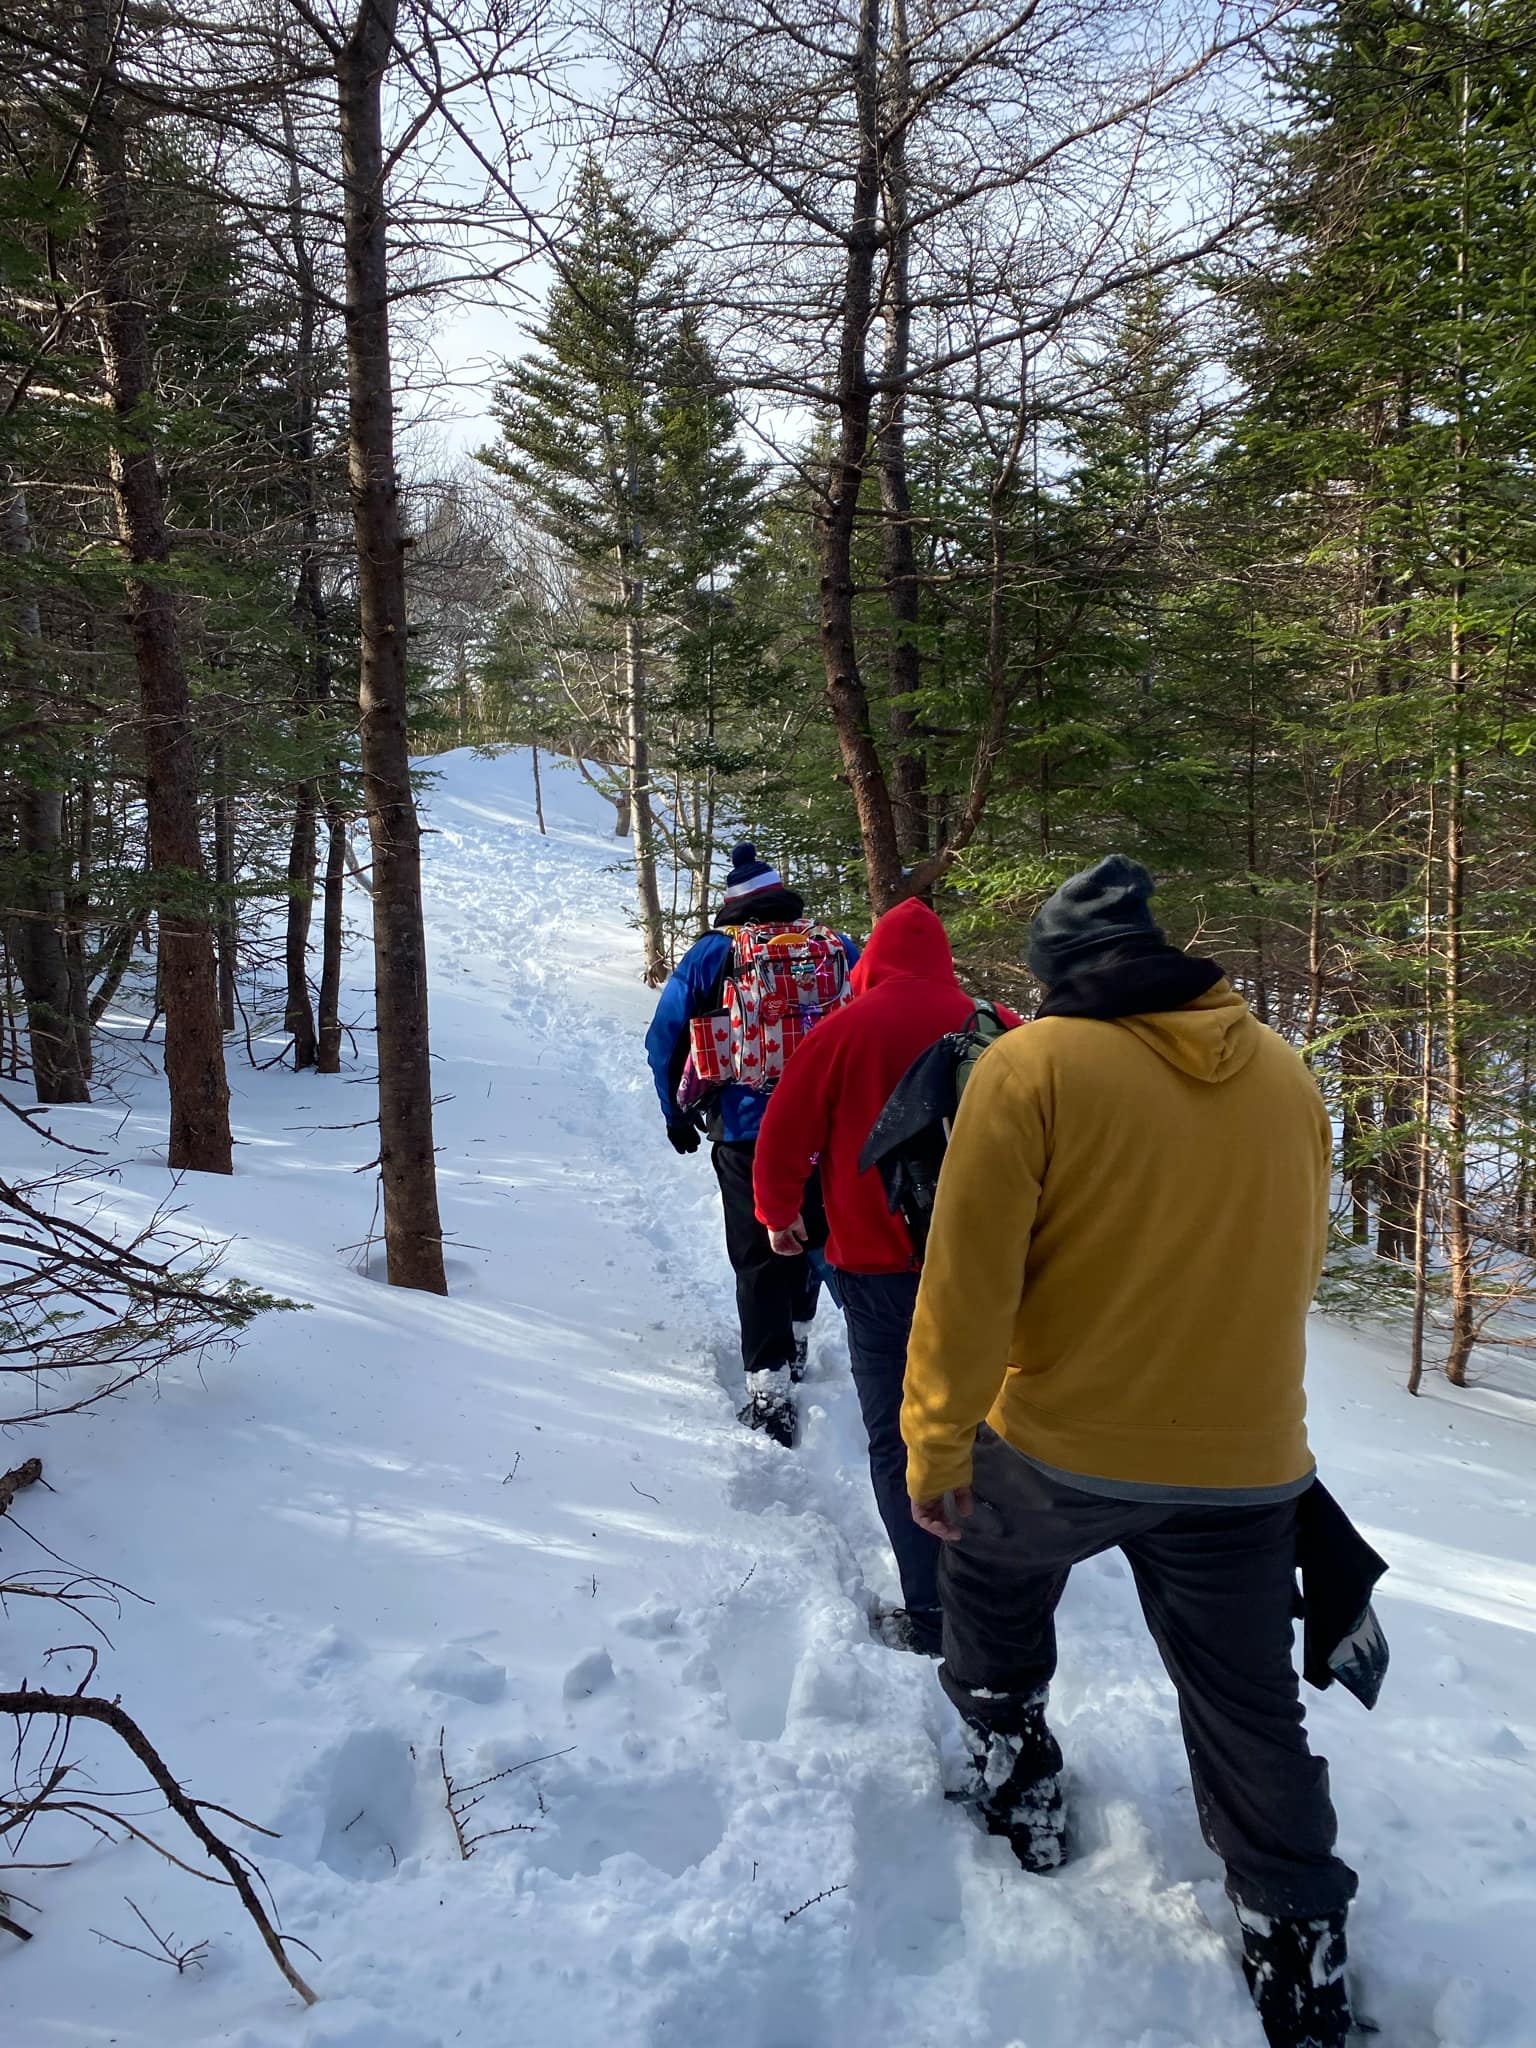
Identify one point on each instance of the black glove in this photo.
(683, 1132)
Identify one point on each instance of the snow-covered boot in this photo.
(770, 1407)
(1295, 1972)
(1015, 1788)
(802, 1357)
(919, 1629)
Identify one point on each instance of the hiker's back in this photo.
(1175, 1246)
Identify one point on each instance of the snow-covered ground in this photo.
(525, 1516)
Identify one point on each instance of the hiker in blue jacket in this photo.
(775, 1297)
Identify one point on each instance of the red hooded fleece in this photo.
(837, 1084)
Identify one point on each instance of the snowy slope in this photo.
(526, 1516)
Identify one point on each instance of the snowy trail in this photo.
(527, 1517)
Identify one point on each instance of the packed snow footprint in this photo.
(521, 1535)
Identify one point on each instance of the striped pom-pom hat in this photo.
(748, 875)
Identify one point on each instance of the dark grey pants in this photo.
(1217, 1587)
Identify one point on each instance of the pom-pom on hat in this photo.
(749, 876)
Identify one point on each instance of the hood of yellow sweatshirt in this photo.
(1210, 1039)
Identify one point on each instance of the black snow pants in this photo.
(772, 1293)
(1217, 1587)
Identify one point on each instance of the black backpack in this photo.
(911, 1134)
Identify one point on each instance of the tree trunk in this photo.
(1396, 1168)
(77, 906)
(227, 929)
(328, 1022)
(1421, 1243)
(194, 1042)
(1458, 1212)
(652, 924)
(838, 511)
(538, 793)
(413, 1236)
(902, 588)
(303, 852)
(10, 1038)
(312, 686)
(1460, 1263)
(1251, 828)
(1359, 1122)
(42, 959)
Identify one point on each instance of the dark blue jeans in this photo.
(878, 1308)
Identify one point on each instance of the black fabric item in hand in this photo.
(1341, 1636)
(1139, 983)
(683, 1134)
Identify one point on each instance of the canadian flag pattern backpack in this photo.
(780, 981)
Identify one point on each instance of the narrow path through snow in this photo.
(527, 1518)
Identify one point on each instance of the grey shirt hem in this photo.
(1176, 1496)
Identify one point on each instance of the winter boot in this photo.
(1015, 1788)
(919, 1629)
(802, 1357)
(769, 1406)
(1295, 1972)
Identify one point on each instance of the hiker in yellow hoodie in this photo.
(1107, 1352)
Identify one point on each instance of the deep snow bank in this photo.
(526, 1517)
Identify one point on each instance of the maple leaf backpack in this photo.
(780, 980)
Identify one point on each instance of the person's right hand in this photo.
(934, 1515)
(789, 1242)
(683, 1134)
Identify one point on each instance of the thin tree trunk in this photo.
(1251, 808)
(1314, 961)
(10, 1037)
(1421, 1244)
(838, 511)
(115, 965)
(41, 950)
(227, 930)
(538, 793)
(194, 1043)
(413, 1236)
(328, 1021)
(902, 588)
(1458, 1213)
(1359, 1122)
(312, 685)
(303, 852)
(39, 946)
(77, 906)
(652, 923)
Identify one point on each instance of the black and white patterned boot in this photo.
(1295, 1973)
(1015, 1787)
(770, 1406)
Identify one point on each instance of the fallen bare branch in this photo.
(28, 1706)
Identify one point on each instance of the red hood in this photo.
(909, 944)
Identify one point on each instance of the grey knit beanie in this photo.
(1105, 907)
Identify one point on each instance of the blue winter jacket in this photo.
(692, 988)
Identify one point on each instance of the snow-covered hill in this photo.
(526, 1517)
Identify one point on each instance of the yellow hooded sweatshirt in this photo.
(1128, 1232)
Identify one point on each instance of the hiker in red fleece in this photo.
(824, 1108)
